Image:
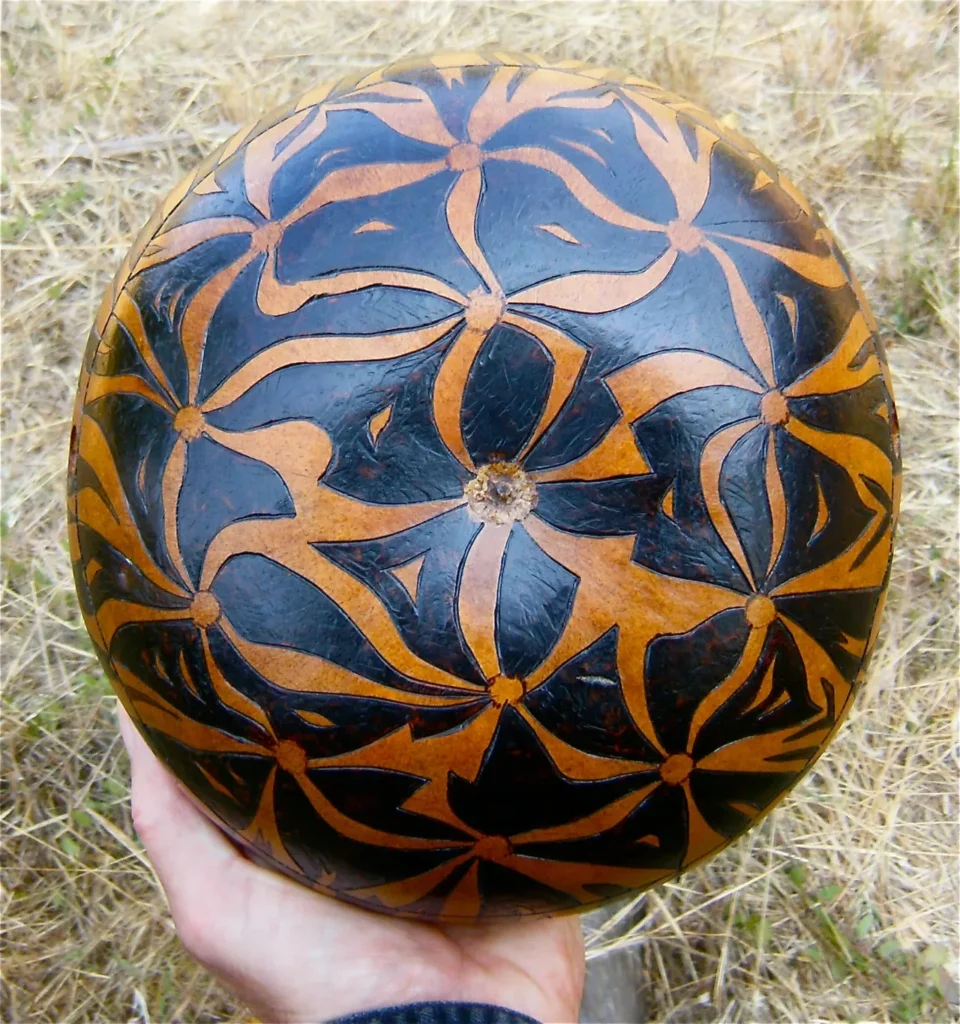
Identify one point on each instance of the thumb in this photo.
(189, 853)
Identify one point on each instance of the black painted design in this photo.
(482, 486)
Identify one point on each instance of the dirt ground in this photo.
(843, 904)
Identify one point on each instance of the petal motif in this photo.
(513, 92)
(407, 109)
(324, 349)
(663, 142)
(586, 292)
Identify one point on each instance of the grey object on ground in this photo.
(613, 990)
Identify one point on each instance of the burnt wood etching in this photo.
(482, 486)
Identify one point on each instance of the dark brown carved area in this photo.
(482, 486)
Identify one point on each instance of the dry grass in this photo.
(843, 905)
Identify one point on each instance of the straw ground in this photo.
(843, 905)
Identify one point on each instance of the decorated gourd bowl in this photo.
(482, 486)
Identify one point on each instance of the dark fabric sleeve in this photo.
(439, 1013)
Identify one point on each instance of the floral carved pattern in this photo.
(482, 486)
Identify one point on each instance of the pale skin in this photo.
(294, 955)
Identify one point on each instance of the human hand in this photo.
(295, 955)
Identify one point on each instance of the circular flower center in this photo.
(773, 409)
(205, 608)
(760, 611)
(266, 236)
(291, 756)
(500, 493)
(684, 236)
(465, 156)
(505, 690)
(189, 422)
(484, 310)
(492, 847)
(676, 769)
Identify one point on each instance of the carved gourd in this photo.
(482, 486)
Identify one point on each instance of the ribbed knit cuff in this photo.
(439, 1013)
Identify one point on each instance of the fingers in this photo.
(535, 965)
(189, 853)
